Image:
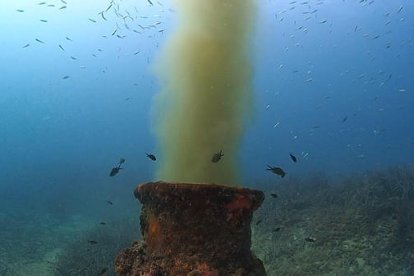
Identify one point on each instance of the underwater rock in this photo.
(191, 229)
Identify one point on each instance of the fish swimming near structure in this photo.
(217, 156)
(116, 169)
(276, 170)
(151, 156)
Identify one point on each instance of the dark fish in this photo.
(276, 170)
(68, 38)
(19, 10)
(103, 223)
(121, 161)
(151, 156)
(294, 159)
(27, 45)
(40, 41)
(102, 272)
(43, 20)
(115, 171)
(344, 119)
(149, 1)
(63, 7)
(92, 242)
(310, 239)
(65, 77)
(259, 221)
(92, 20)
(217, 156)
(109, 202)
(274, 195)
(61, 47)
(277, 229)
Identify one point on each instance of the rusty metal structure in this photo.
(193, 229)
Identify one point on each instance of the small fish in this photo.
(65, 77)
(103, 271)
(115, 171)
(151, 156)
(61, 47)
(68, 38)
(92, 242)
(277, 229)
(43, 20)
(344, 119)
(41, 3)
(323, 21)
(136, 53)
(92, 20)
(40, 41)
(63, 7)
(103, 16)
(27, 45)
(103, 223)
(294, 159)
(310, 239)
(217, 156)
(274, 195)
(259, 221)
(109, 202)
(64, 2)
(74, 58)
(276, 170)
(149, 1)
(114, 32)
(20, 10)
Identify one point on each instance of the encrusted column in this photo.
(193, 229)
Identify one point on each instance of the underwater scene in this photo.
(275, 137)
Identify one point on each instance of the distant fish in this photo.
(109, 202)
(151, 156)
(217, 156)
(92, 242)
(20, 10)
(27, 45)
(277, 229)
(276, 170)
(149, 1)
(310, 239)
(65, 77)
(41, 3)
(294, 159)
(103, 223)
(344, 119)
(74, 58)
(323, 21)
(92, 20)
(38, 40)
(274, 195)
(43, 20)
(116, 169)
(63, 7)
(259, 221)
(61, 47)
(68, 38)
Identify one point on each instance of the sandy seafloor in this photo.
(360, 225)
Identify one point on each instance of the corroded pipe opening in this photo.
(192, 229)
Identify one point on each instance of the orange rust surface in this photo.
(153, 237)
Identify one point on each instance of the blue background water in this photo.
(60, 137)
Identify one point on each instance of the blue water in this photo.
(333, 85)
